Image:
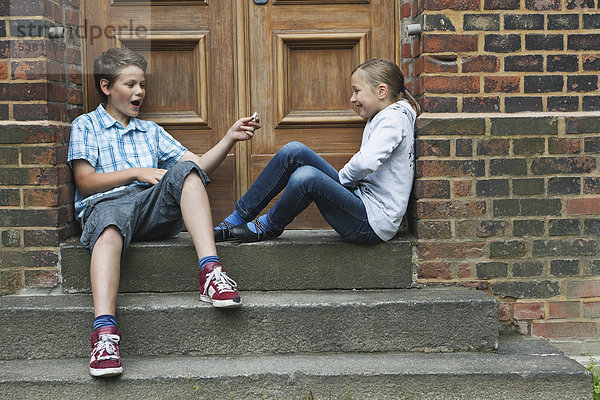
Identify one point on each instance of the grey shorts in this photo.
(140, 212)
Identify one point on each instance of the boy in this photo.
(136, 182)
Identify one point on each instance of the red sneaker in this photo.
(217, 288)
(105, 359)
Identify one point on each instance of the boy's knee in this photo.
(186, 172)
(110, 236)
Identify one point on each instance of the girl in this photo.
(365, 201)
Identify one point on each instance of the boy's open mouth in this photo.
(136, 103)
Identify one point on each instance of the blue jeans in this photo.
(306, 177)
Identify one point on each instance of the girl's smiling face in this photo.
(367, 100)
(126, 94)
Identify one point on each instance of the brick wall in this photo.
(40, 93)
(504, 55)
(511, 205)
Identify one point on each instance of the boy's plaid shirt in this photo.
(108, 146)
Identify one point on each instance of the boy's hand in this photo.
(149, 175)
(243, 129)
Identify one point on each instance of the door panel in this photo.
(302, 55)
(190, 84)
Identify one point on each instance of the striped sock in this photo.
(205, 260)
(104, 320)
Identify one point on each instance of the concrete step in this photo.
(269, 322)
(522, 369)
(297, 260)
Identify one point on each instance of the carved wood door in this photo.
(212, 61)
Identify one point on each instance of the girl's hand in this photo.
(149, 175)
(243, 129)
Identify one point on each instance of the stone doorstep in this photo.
(268, 322)
(523, 368)
(297, 260)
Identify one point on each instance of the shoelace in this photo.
(225, 228)
(261, 229)
(224, 225)
(222, 281)
(106, 344)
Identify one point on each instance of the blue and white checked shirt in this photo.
(107, 146)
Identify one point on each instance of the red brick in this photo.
(464, 271)
(451, 4)
(3, 70)
(41, 238)
(29, 70)
(591, 185)
(564, 329)
(26, 48)
(23, 91)
(481, 64)
(405, 10)
(433, 65)
(431, 229)
(55, 71)
(56, 92)
(29, 112)
(449, 168)
(435, 271)
(449, 43)
(417, 47)
(41, 279)
(564, 146)
(73, 55)
(504, 311)
(41, 197)
(529, 310)
(405, 68)
(75, 76)
(501, 84)
(74, 96)
(564, 309)
(450, 250)
(540, 5)
(406, 50)
(450, 209)
(462, 188)
(451, 84)
(502, 4)
(582, 289)
(56, 51)
(464, 229)
(72, 18)
(586, 206)
(591, 309)
(432, 189)
(43, 155)
(524, 327)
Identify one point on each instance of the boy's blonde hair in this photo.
(381, 71)
(111, 62)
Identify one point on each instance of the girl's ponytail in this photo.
(412, 101)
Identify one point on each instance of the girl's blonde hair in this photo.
(381, 71)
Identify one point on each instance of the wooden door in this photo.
(191, 77)
(302, 54)
(212, 61)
